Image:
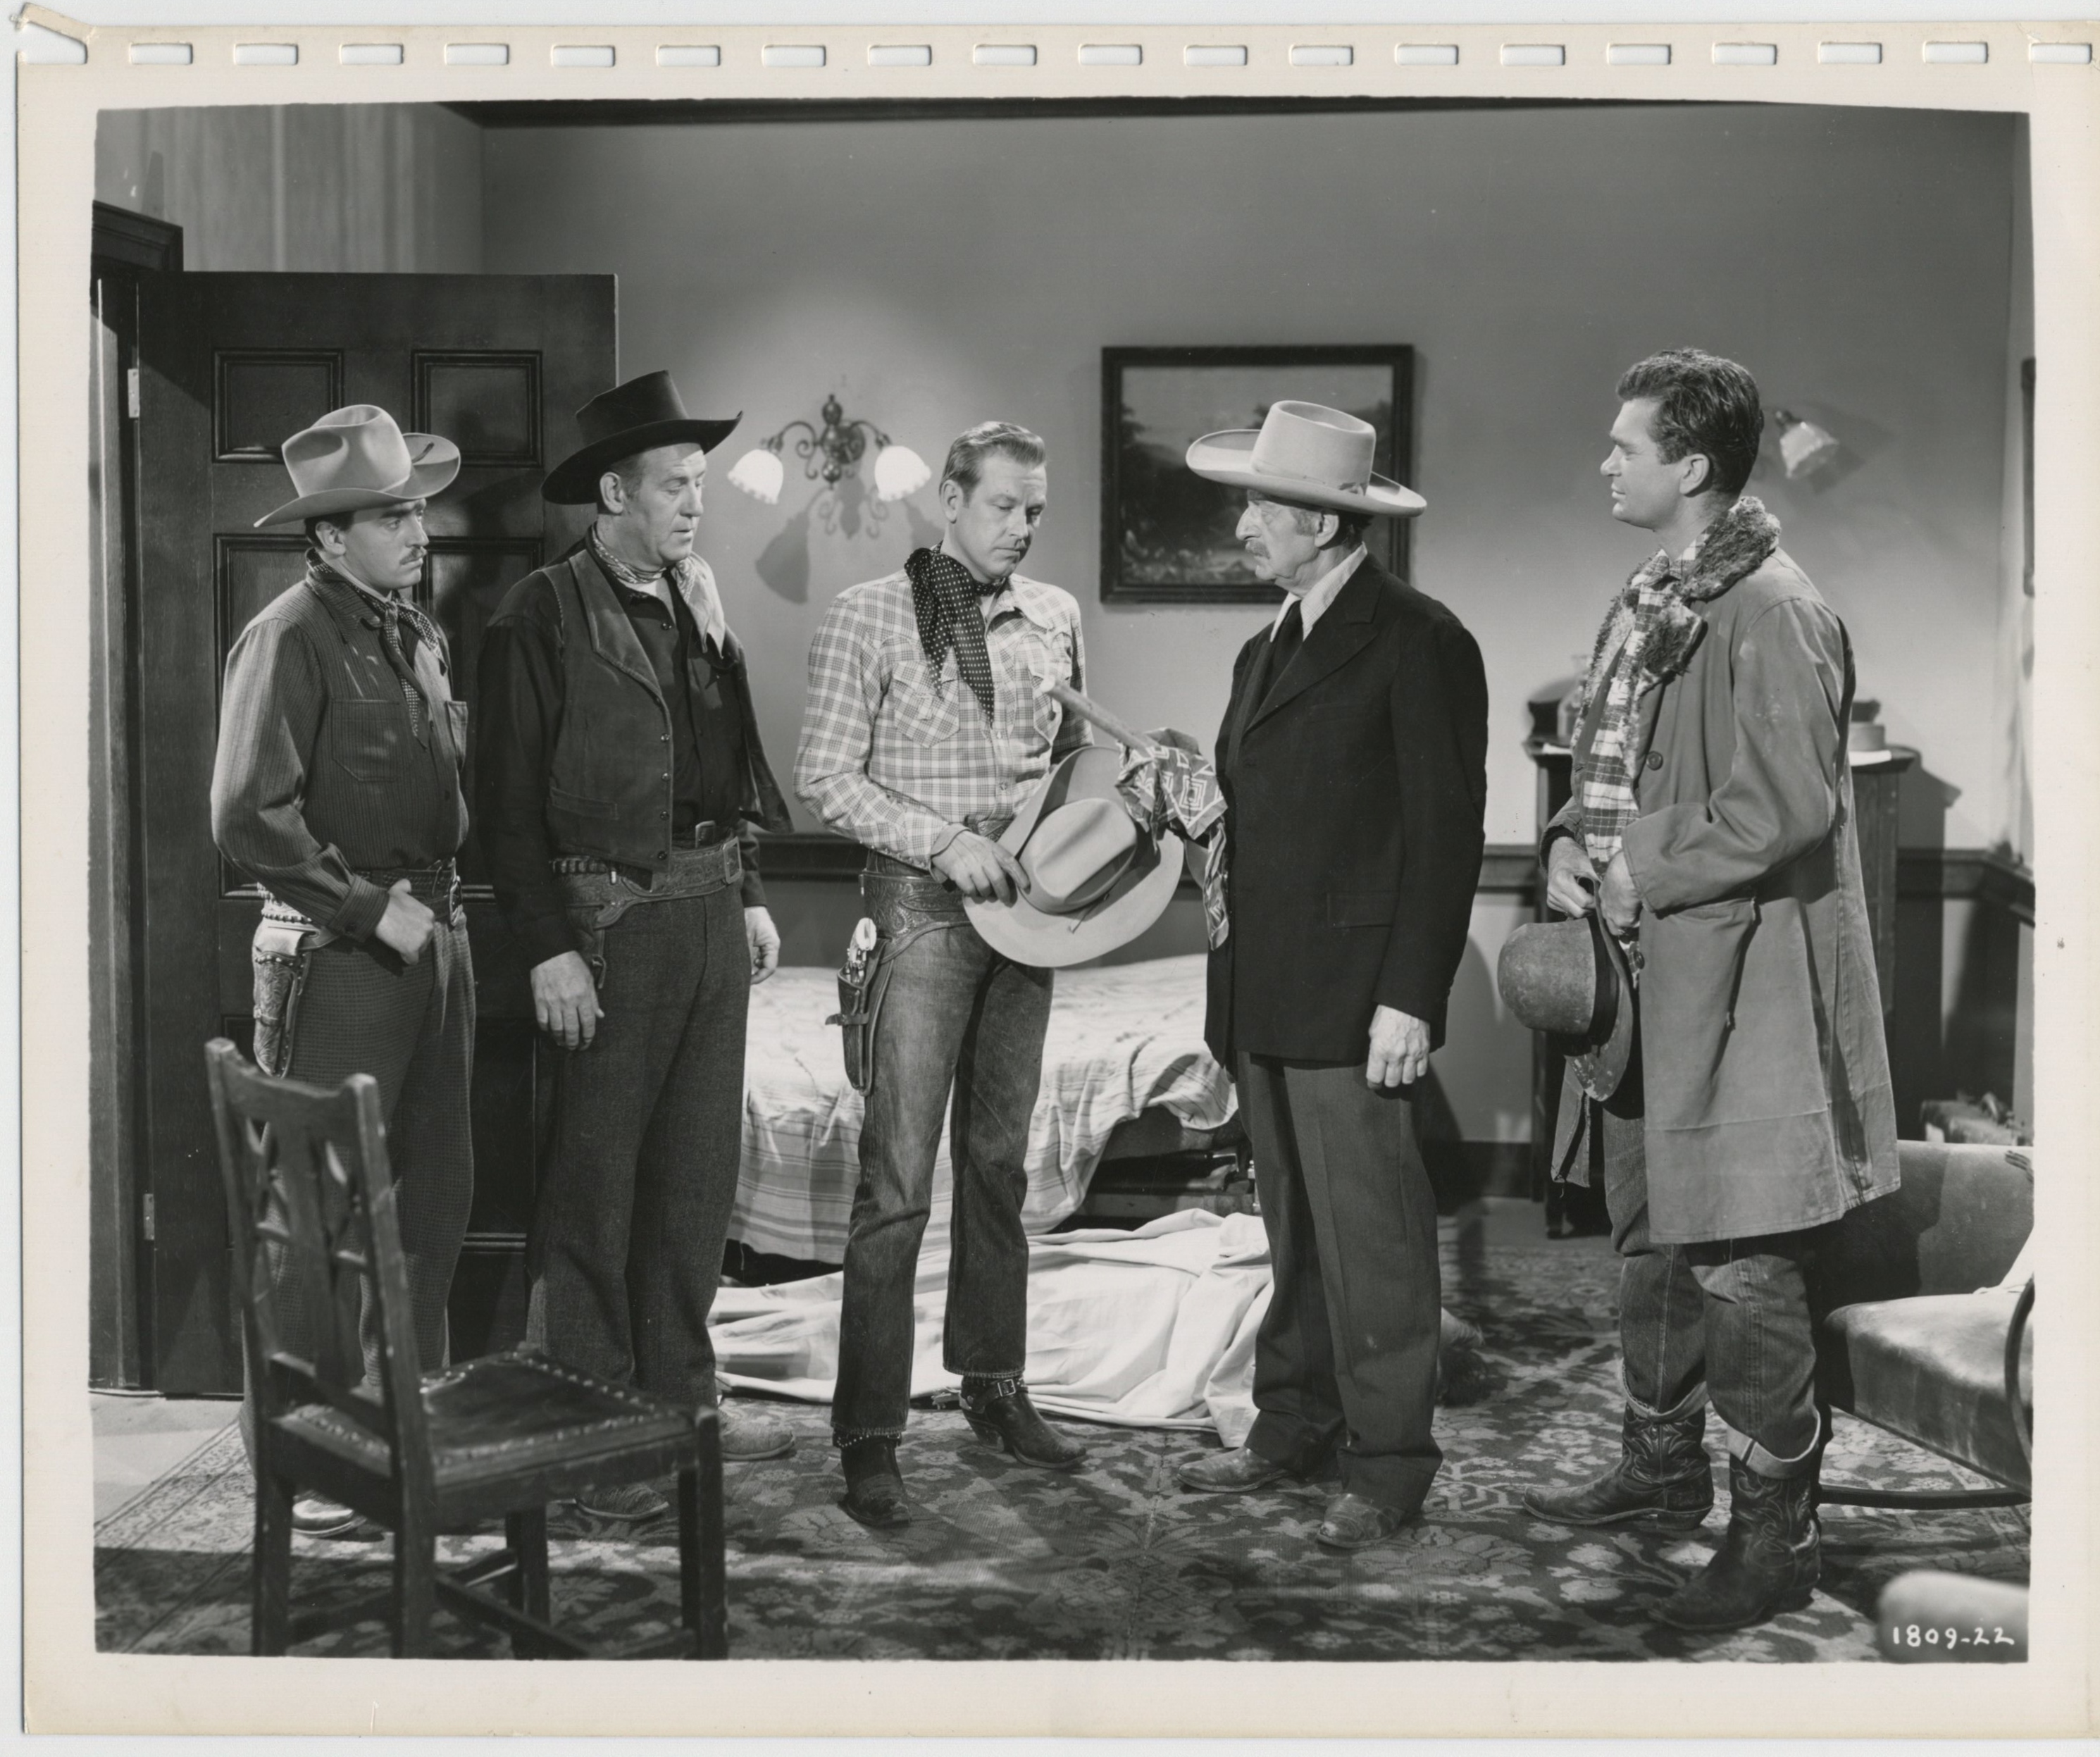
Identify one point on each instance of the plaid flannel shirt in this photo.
(901, 761)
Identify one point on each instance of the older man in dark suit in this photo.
(1353, 762)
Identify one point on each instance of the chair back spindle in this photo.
(310, 1195)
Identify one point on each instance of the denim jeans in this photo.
(1728, 1320)
(957, 1017)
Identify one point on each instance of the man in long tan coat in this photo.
(1712, 823)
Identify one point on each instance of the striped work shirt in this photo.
(900, 759)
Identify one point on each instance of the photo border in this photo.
(69, 1687)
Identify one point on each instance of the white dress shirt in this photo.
(1321, 593)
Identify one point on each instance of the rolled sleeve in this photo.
(1780, 798)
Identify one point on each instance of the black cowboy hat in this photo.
(631, 417)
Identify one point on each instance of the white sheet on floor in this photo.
(1153, 1328)
(1121, 1039)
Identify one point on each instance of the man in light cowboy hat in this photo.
(619, 777)
(1711, 829)
(337, 789)
(997, 848)
(1353, 762)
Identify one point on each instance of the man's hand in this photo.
(1400, 1049)
(1618, 898)
(565, 1000)
(408, 924)
(980, 868)
(1571, 881)
(763, 938)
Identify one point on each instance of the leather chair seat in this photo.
(1932, 1369)
(509, 1415)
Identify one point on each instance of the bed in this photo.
(1125, 1074)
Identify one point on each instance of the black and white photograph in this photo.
(1243, 878)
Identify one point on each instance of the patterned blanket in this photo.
(1122, 1039)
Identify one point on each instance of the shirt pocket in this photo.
(919, 707)
(366, 739)
(1029, 660)
(456, 724)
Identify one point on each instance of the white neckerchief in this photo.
(1314, 601)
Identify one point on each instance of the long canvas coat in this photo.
(1766, 1077)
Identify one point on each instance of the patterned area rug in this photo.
(1116, 1562)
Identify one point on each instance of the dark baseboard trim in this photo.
(1507, 869)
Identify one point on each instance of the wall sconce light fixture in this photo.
(1804, 447)
(831, 453)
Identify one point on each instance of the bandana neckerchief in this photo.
(691, 578)
(389, 610)
(944, 600)
(1647, 638)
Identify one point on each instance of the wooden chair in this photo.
(310, 1196)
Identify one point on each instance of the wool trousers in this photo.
(1346, 1355)
(639, 1177)
(412, 1030)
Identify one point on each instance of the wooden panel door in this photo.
(232, 365)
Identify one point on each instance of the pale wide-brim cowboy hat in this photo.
(1570, 979)
(1094, 881)
(357, 457)
(1310, 453)
(638, 415)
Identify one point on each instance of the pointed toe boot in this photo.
(1000, 1413)
(1768, 1564)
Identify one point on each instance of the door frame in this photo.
(124, 245)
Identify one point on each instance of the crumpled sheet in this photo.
(1153, 1328)
(1122, 1039)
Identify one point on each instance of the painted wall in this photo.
(374, 187)
(935, 273)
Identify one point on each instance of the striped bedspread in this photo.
(1121, 1040)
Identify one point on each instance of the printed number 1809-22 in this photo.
(1917, 1634)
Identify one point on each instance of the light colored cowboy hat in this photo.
(1094, 880)
(1307, 452)
(638, 415)
(355, 457)
(1570, 980)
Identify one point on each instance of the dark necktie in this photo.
(390, 637)
(1283, 647)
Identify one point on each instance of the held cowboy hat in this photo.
(1094, 881)
(636, 415)
(1310, 453)
(1570, 980)
(357, 457)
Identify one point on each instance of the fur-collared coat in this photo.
(1768, 1107)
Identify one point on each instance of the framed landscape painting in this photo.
(1166, 534)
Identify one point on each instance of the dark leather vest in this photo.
(609, 784)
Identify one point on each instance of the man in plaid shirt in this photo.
(925, 731)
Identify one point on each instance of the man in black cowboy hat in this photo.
(336, 788)
(619, 777)
(1353, 762)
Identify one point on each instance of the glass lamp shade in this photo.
(760, 474)
(898, 471)
(1803, 446)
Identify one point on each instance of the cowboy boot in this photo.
(1662, 1480)
(875, 1486)
(1768, 1563)
(999, 1411)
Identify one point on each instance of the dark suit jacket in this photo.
(1356, 795)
